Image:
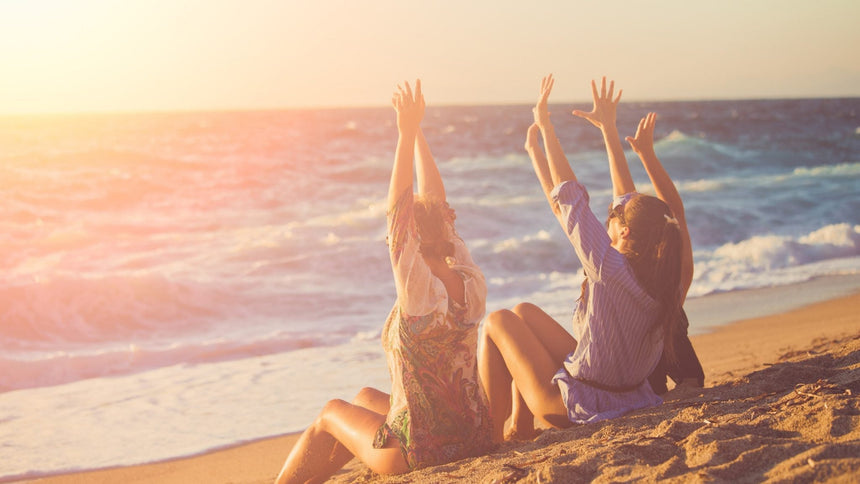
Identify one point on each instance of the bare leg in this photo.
(310, 457)
(512, 350)
(557, 342)
(371, 399)
(341, 431)
(495, 377)
(355, 428)
(522, 420)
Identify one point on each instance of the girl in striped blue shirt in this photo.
(628, 311)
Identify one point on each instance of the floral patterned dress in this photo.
(438, 408)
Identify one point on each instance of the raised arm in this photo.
(539, 161)
(410, 111)
(602, 115)
(643, 145)
(559, 168)
(430, 184)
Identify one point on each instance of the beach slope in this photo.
(780, 405)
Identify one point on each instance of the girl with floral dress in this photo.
(437, 411)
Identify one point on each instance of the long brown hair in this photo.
(653, 251)
(431, 217)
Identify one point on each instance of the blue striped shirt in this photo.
(618, 344)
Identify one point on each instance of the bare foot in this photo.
(522, 426)
(684, 389)
(515, 435)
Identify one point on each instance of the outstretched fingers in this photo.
(594, 96)
(545, 88)
(608, 96)
(644, 133)
(648, 123)
(419, 95)
(540, 111)
(652, 121)
(602, 114)
(405, 94)
(633, 140)
(409, 105)
(546, 83)
(399, 98)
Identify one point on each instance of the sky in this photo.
(164, 55)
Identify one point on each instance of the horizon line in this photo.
(123, 111)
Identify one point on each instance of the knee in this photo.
(501, 323)
(523, 309)
(328, 410)
(497, 321)
(333, 406)
(365, 396)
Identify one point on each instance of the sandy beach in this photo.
(779, 404)
(198, 213)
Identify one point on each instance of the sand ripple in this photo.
(796, 420)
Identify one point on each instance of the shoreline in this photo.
(727, 351)
(713, 311)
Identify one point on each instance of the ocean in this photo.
(179, 282)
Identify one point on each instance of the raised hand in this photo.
(643, 141)
(532, 136)
(409, 106)
(602, 114)
(540, 111)
(410, 111)
(553, 168)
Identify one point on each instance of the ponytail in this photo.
(667, 274)
(655, 255)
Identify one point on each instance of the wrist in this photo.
(609, 128)
(646, 152)
(408, 131)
